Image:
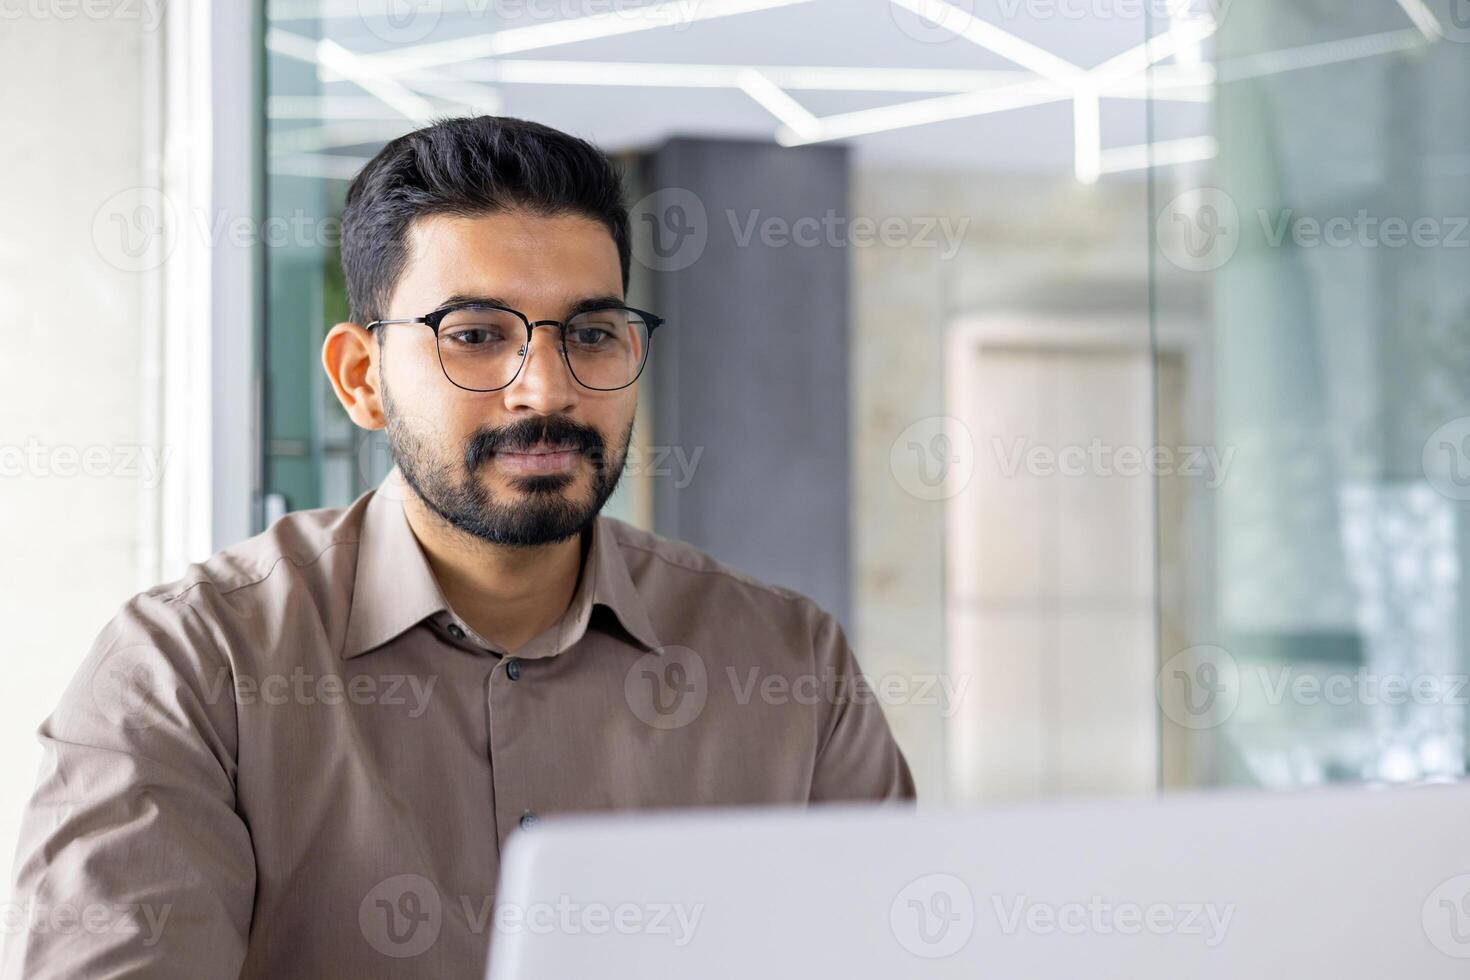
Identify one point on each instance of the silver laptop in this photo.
(1347, 884)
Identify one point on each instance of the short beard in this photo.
(452, 488)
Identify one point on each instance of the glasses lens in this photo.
(606, 348)
(481, 349)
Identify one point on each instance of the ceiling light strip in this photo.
(1087, 134)
(977, 31)
(775, 100)
(825, 78)
(1194, 149)
(924, 111)
(1136, 60)
(332, 55)
(1424, 19)
(672, 13)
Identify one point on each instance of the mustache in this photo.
(522, 436)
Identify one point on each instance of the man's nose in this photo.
(544, 382)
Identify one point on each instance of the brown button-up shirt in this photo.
(298, 761)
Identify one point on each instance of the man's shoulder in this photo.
(666, 567)
(315, 546)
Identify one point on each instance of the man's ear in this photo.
(350, 358)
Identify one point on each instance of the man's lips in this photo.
(538, 459)
(541, 449)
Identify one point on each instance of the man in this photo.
(304, 757)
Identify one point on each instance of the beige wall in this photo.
(71, 378)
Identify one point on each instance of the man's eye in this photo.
(588, 336)
(473, 336)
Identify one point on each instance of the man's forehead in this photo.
(519, 258)
(510, 229)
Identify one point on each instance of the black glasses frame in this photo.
(435, 319)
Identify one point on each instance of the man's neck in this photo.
(507, 595)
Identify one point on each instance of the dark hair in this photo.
(468, 166)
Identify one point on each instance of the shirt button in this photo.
(513, 669)
(528, 819)
(456, 631)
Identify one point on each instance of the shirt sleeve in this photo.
(133, 860)
(857, 757)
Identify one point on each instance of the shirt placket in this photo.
(511, 754)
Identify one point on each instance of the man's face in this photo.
(533, 462)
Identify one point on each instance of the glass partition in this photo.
(1314, 621)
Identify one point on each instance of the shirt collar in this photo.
(394, 588)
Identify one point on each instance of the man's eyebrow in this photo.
(579, 306)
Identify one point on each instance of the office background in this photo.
(1103, 365)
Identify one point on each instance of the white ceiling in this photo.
(1008, 81)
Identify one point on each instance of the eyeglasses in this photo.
(482, 346)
